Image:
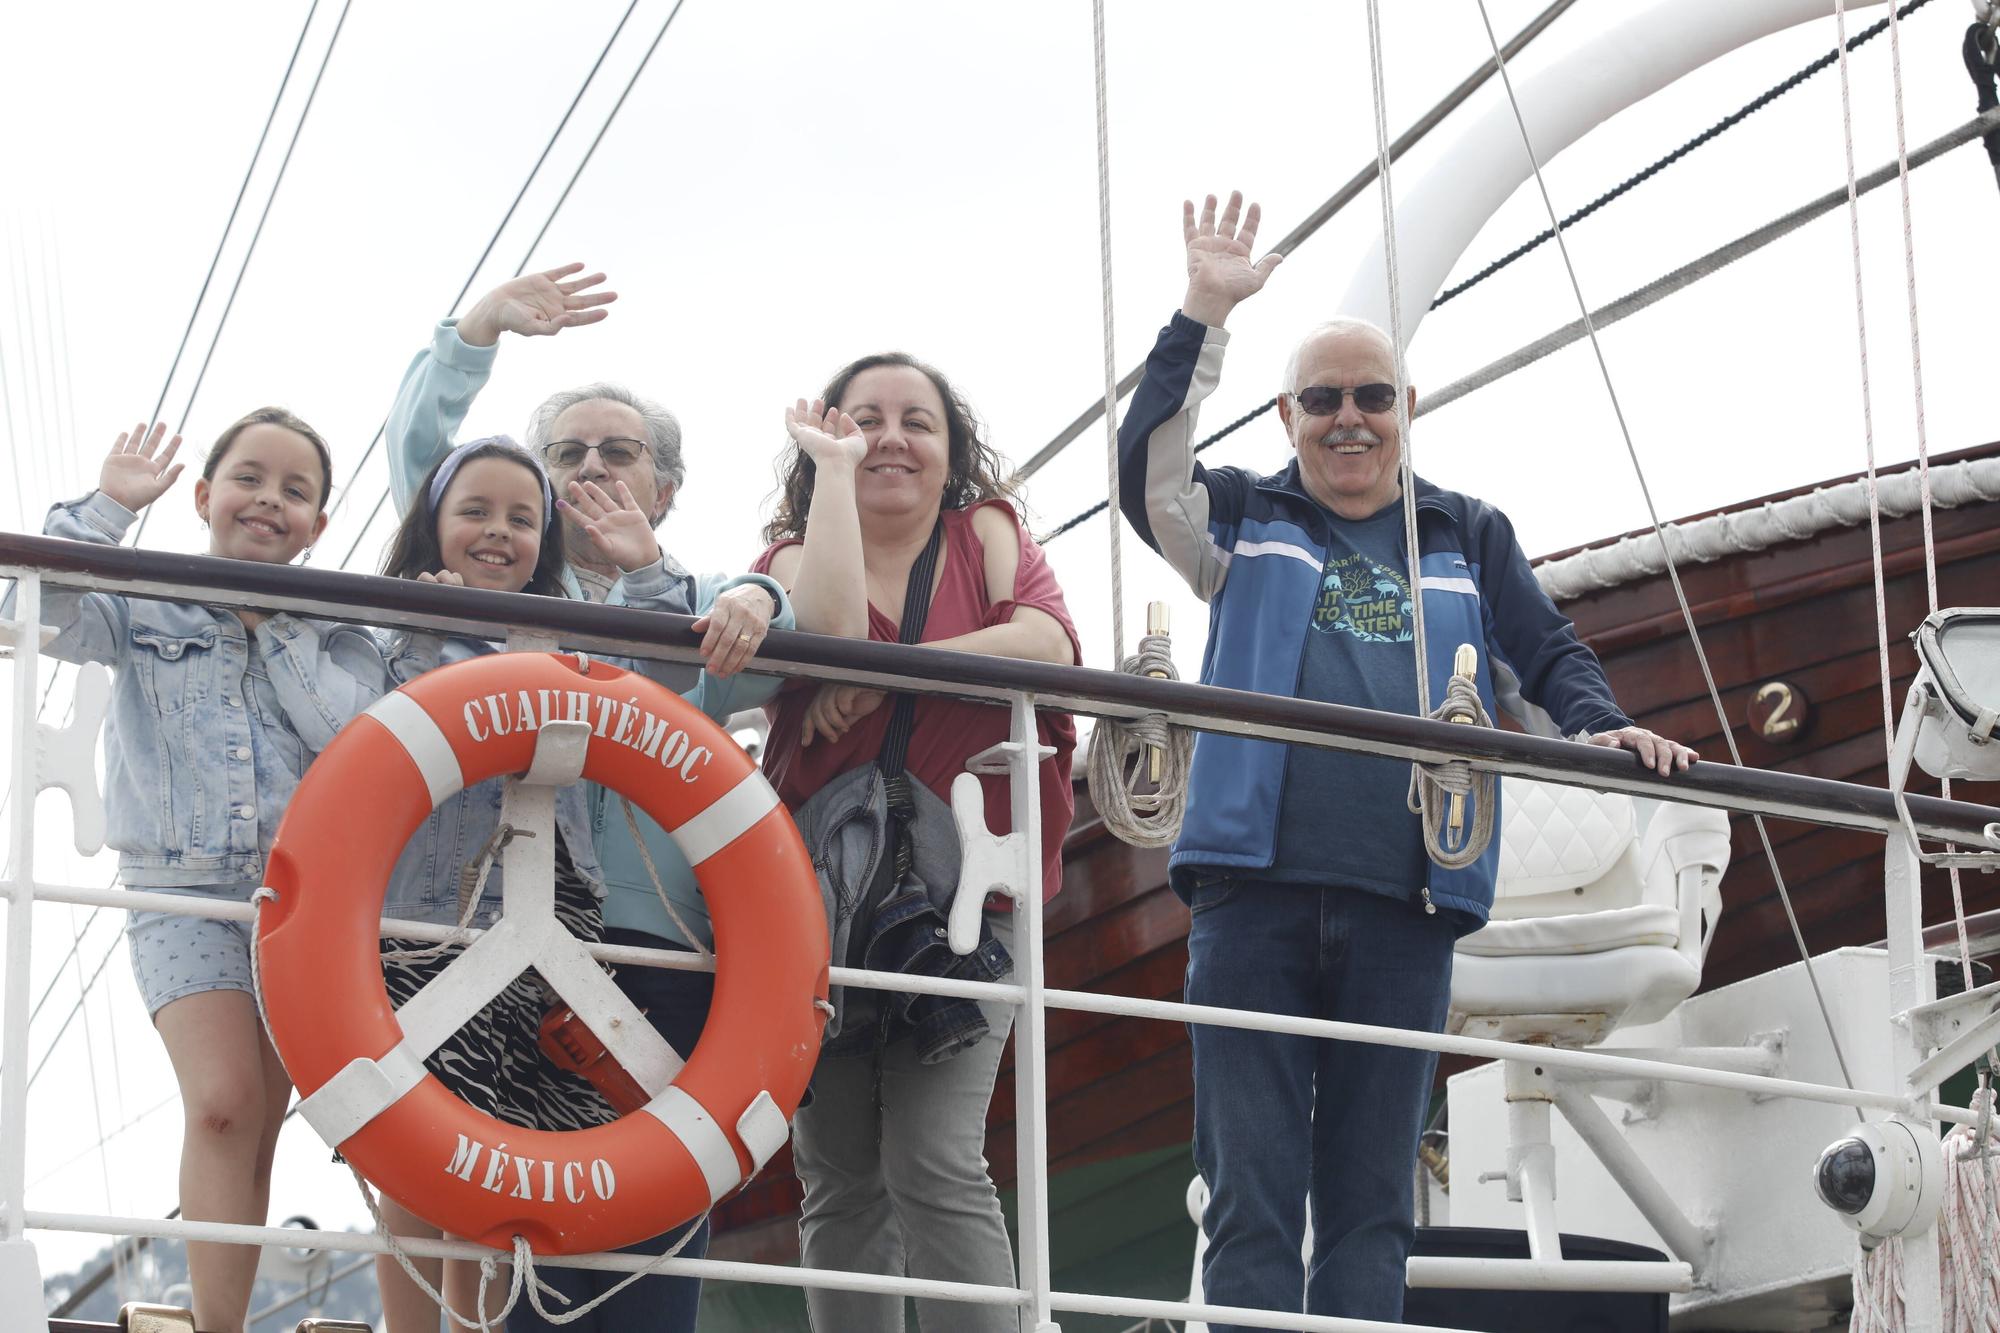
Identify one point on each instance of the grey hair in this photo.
(663, 428)
(1332, 328)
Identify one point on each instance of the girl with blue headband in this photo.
(486, 517)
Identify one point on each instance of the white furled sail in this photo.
(1439, 213)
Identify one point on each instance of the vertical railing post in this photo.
(1031, 1106)
(20, 1275)
(1912, 981)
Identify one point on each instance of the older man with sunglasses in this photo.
(605, 433)
(1305, 872)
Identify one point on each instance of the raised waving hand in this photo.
(536, 305)
(826, 435)
(619, 528)
(1220, 273)
(137, 471)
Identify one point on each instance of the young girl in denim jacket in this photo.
(485, 518)
(201, 758)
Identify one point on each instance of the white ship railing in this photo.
(1023, 686)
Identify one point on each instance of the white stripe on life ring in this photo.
(428, 749)
(728, 819)
(701, 1136)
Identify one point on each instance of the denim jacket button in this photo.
(232, 700)
(245, 811)
(240, 752)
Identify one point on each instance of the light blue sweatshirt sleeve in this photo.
(91, 626)
(325, 675)
(431, 403)
(721, 698)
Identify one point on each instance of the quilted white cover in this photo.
(1554, 839)
(1585, 932)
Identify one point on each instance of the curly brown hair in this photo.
(975, 470)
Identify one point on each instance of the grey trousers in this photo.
(892, 1156)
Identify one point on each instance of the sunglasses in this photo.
(615, 452)
(1323, 400)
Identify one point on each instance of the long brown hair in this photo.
(974, 469)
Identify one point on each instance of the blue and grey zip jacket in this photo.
(1253, 547)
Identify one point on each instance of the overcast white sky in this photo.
(792, 184)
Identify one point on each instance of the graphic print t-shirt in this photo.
(1345, 818)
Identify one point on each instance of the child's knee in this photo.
(228, 1111)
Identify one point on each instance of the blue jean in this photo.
(677, 1004)
(1267, 1104)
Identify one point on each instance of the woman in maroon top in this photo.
(891, 1149)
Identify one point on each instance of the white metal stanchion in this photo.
(1020, 758)
(20, 1274)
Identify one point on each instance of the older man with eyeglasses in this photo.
(1305, 872)
(607, 434)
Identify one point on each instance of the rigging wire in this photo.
(52, 282)
(76, 1157)
(1630, 304)
(1639, 299)
(1692, 272)
(494, 239)
(1867, 397)
(1110, 340)
(1640, 177)
(82, 995)
(1394, 283)
(13, 440)
(1338, 200)
(1673, 572)
(32, 405)
(250, 251)
(1437, 787)
(1923, 439)
(556, 208)
(96, 1100)
(270, 118)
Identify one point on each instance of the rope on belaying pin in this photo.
(1438, 792)
(1121, 761)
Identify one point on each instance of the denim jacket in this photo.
(424, 886)
(182, 799)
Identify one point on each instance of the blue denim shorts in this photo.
(175, 956)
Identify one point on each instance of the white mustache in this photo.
(1351, 435)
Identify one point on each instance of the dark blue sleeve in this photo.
(1557, 670)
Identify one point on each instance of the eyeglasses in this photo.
(614, 452)
(1323, 400)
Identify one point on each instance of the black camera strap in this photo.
(894, 866)
(916, 609)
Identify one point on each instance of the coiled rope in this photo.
(1455, 780)
(1120, 753)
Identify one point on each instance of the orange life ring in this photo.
(364, 1085)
